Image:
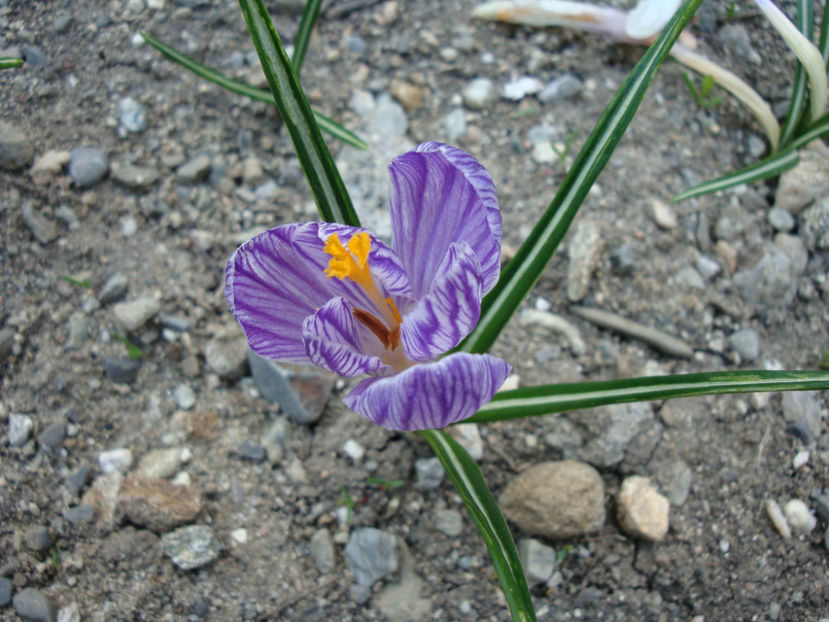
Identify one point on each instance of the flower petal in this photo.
(431, 395)
(449, 311)
(336, 342)
(440, 195)
(277, 279)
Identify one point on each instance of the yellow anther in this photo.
(343, 264)
(394, 310)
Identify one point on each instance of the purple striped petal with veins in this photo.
(449, 311)
(430, 395)
(277, 279)
(439, 195)
(338, 343)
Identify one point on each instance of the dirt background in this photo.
(722, 559)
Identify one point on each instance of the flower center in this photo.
(351, 262)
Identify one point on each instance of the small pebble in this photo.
(479, 93)
(778, 519)
(20, 429)
(799, 517)
(5, 591)
(37, 538)
(34, 606)
(449, 522)
(353, 450)
(191, 547)
(780, 219)
(131, 115)
(119, 459)
(800, 459)
(184, 396)
(87, 166)
(430, 473)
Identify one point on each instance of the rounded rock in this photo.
(16, 150)
(642, 512)
(34, 606)
(479, 93)
(556, 500)
(87, 166)
(191, 547)
(799, 517)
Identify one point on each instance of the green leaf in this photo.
(77, 282)
(385, 484)
(771, 166)
(707, 84)
(469, 481)
(818, 129)
(332, 128)
(557, 398)
(519, 276)
(9, 62)
(327, 186)
(823, 42)
(303, 34)
(797, 103)
(133, 351)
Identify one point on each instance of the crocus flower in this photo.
(338, 297)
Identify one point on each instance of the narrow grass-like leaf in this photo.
(327, 186)
(303, 33)
(797, 104)
(327, 125)
(470, 484)
(771, 166)
(523, 271)
(557, 398)
(818, 129)
(823, 42)
(9, 62)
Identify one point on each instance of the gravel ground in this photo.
(173, 486)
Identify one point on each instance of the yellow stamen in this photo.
(351, 261)
(394, 310)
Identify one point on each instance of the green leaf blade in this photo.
(303, 33)
(331, 127)
(557, 398)
(10, 62)
(797, 104)
(519, 276)
(771, 166)
(470, 484)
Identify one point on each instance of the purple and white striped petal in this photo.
(277, 279)
(336, 342)
(450, 310)
(440, 195)
(430, 395)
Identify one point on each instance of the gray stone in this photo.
(455, 125)
(803, 406)
(794, 247)
(5, 591)
(33, 55)
(35, 606)
(19, 429)
(37, 538)
(133, 314)
(822, 506)
(131, 115)
(191, 547)
(708, 268)
(114, 288)
(184, 396)
(449, 522)
(541, 133)
(135, 177)
(616, 427)
(226, 355)
(389, 118)
(70, 613)
(479, 93)
(173, 322)
(734, 220)
(16, 150)
(371, 555)
(78, 479)
(688, 278)
(53, 435)
(566, 86)
(675, 480)
(662, 214)
(302, 392)
(538, 560)
(123, 371)
(734, 37)
(87, 166)
(250, 450)
(583, 253)
(623, 259)
(770, 282)
(79, 514)
(194, 170)
(430, 473)
(354, 44)
(359, 593)
(401, 601)
(746, 343)
(555, 500)
(78, 331)
(814, 225)
(780, 219)
(44, 229)
(322, 550)
(807, 181)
